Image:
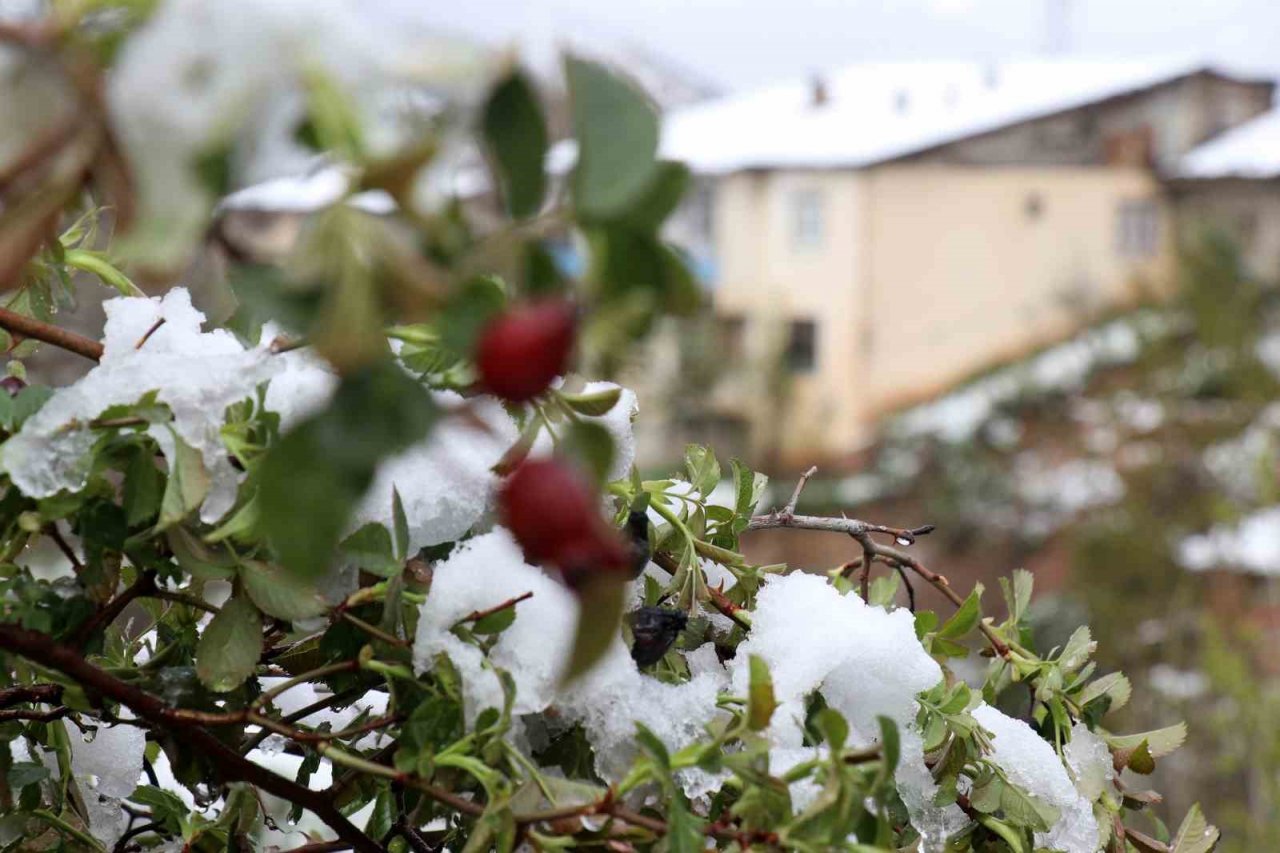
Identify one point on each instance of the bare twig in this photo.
(29, 327)
(45, 693)
(56, 535)
(790, 508)
(477, 615)
(372, 630)
(719, 601)
(145, 585)
(151, 331)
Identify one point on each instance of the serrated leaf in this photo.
(1113, 684)
(1160, 742)
(1017, 593)
(599, 617)
(701, 468)
(595, 404)
(749, 487)
(1195, 834)
(1078, 649)
(278, 593)
(616, 127)
(515, 135)
(760, 699)
(965, 619)
(230, 646)
(198, 558)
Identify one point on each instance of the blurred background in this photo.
(1008, 267)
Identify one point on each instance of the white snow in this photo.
(1250, 150)
(107, 768)
(1064, 367)
(881, 110)
(481, 573)
(608, 701)
(306, 193)
(1089, 760)
(445, 481)
(1031, 763)
(197, 374)
(1251, 546)
(618, 422)
(865, 660)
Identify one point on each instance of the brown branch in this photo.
(477, 615)
(151, 331)
(34, 716)
(29, 327)
(790, 508)
(719, 601)
(145, 585)
(56, 535)
(231, 766)
(48, 694)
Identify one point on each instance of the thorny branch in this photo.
(872, 551)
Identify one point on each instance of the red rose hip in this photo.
(521, 351)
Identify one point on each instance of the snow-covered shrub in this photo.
(369, 563)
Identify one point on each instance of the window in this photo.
(802, 346)
(1138, 228)
(806, 219)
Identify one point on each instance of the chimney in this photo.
(818, 93)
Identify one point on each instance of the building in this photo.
(877, 235)
(1232, 183)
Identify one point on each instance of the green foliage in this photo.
(128, 634)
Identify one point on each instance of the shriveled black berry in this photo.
(654, 630)
(12, 385)
(638, 533)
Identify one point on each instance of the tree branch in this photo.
(477, 615)
(29, 327)
(231, 766)
(145, 585)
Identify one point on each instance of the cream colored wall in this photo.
(961, 277)
(769, 280)
(928, 273)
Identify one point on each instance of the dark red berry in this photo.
(12, 385)
(521, 351)
(547, 506)
(554, 513)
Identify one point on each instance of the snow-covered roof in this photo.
(880, 111)
(1251, 150)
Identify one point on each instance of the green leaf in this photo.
(495, 623)
(749, 487)
(760, 699)
(434, 724)
(701, 468)
(198, 558)
(1160, 742)
(616, 128)
(477, 301)
(890, 748)
(1140, 760)
(1113, 684)
(1017, 593)
(591, 444)
(1195, 835)
(279, 593)
(595, 404)
(515, 133)
(660, 200)
(1077, 650)
(1023, 809)
(143, 487)
(599, 616)
(24, 773)
(97, 264)
(230, 646)
(401, 523)
(188, 483)
(370, 548)
(166, 808)
(311, 480)
(965, 619)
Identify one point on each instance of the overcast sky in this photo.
(748, 42)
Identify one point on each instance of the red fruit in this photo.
(547, 505)
(12, 385)
(521, 351)
(554, 513)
